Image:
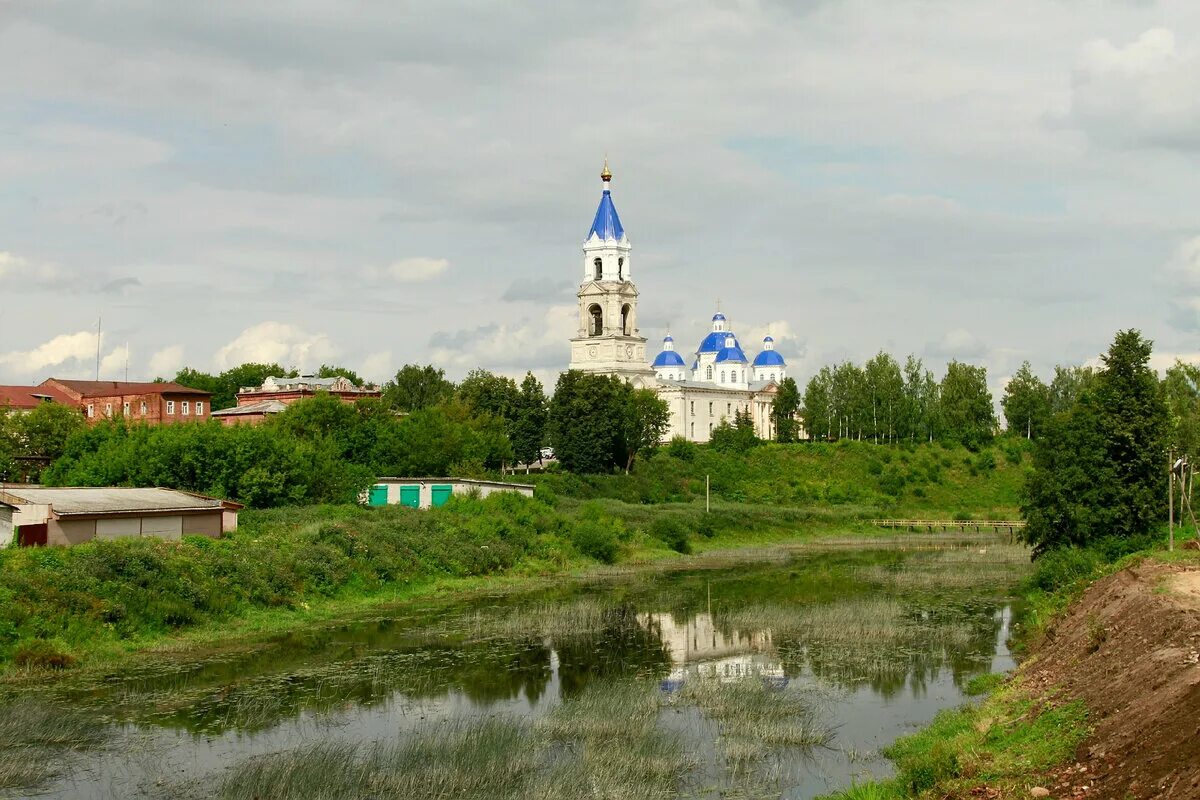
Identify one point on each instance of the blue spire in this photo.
(607, 225)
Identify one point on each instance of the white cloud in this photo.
(1143, 93)
(378, 367)
(166, 362)
(62, 349)
(510, 348)
(409, 270)
(17, 273)
(112, 366)
(285, 344)
(958, 344)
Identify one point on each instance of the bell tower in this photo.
(607, 340)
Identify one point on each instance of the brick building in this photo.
(27, 398)
(152, 403)
(256, 403)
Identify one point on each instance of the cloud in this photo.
(112, 366)
(378, 367)
(1181, 281)
(1142, 93)
(166, 362)
(537, 290)
(62, 349)
(409, 270)
(512, 348)
(18, 273)
(958, 344)
(277, 342)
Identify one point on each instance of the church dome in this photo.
(668, 357)
(769, 357)
(607, 225)
(730, 350)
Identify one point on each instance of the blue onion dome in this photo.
(607, 225)
(668, 357)
(731, 351)
(769, 357)
(718, 317)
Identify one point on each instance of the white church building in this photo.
(713, 383)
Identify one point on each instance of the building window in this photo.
(693, 408)
(627, 320)
(186, 409)
(596, 320)
(199, 408)
(597, 269)
(170, 406)
(710, 409)
(108, 409)
(125, 409)
(91, 411)
(708, 373)
(710, 429)
(772, 376)
(722, 376)
(621, 269)
(728, 409)
(142, 410)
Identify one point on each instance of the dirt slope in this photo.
(1130, 649)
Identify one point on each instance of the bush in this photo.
(595, 540)
(1064, 566)
(672, 533)
(986, 461)
(682, 449)
(41, 654)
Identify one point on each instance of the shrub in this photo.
(1065, 566)
(672, 533)
(986, 461)
(682, 449)
(595, 540)
(41, 654)
(962, 516)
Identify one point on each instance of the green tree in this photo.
(918, 402)
(1026, 403)
(785, 409)
(818, 411)
(44, 431)
(528, 429)
(737, 436)
(1068, 384)
(1098, 471)
(647, 418)
(586, 421)
(885, 386)
(225, 387)
(1181, 390)
(965, 405)
(8, 445)
(488, 393)
(416, 387)
(332, 371)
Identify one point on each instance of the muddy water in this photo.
(933, 619)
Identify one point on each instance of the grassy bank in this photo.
(926, 480)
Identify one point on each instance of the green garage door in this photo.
(441, 493)
(378, 495)
(410, 496)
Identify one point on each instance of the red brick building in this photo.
(256, 403)
(152, 403)
(27, 398)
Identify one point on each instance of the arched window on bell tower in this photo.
(621, 268)
(597, 269)
(595, 320)
(627, 320)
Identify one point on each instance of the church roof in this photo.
(607, 225)
(714, 342)
(668, 358)
(731, 354)
(769, 358)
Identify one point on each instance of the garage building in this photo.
(44, 515)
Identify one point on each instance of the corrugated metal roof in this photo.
(31, 396)
(106, 500)
(261, 407)
(106, 388)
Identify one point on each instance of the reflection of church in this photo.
(698, 648)
(719, 382)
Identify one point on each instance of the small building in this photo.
(256, 403)
(66, 515)
(152, 403)
(433, 492)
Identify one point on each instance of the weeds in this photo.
(34, 736)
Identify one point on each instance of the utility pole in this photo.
(706, 505)
(97, 348)
(1171, 500)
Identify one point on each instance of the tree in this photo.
(1068, 384)
(918, 401)
(416, 387)
(1181, 390)
(586, 421)
(331, 371)
(885, 385)
(818, 412)
(737, 436)
(1098, 470)
(784, 410)
(44, 431)
(487, 393)
(647, 419)
(1026, 403)
(225, 387)
(528, 429)
(965, 405)
(8, 444)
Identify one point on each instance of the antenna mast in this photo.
(98, 347)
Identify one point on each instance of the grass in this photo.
(35, 737)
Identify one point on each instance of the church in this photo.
(713, 383)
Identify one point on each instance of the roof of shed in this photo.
(67, 500)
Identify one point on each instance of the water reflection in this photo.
(895, 649)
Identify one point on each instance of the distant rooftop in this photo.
(67, 500)
(107, 388)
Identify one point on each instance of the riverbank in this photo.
(1104, 706)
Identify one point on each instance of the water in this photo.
(931, 620)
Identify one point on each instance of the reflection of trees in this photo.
(621, 646)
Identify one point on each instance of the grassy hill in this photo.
(855, 478)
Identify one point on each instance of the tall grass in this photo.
(35, 738)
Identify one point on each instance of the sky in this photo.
(372, 184)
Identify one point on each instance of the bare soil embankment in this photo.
(1130, 649)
